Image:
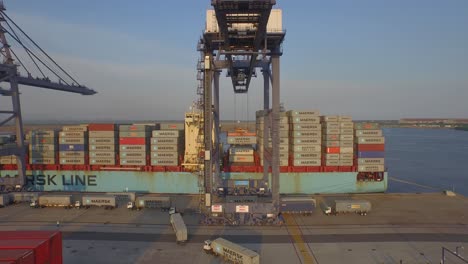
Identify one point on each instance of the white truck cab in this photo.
(33, 204)
(172, 210)
(131, 205)
(77, 204)
(207, 246)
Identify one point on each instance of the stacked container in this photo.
(103, 144)
(43, 147)
(241, 154)
(283, 135)
(338, 141)
(305, 136)
(167, 145)
(133, 145)
(8, 160)
(73, 145)
(370, 147)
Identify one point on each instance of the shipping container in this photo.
(102, 148)
(261, 127)
(302, 120)
(141, 128)
(303, 113)
(346, 156)
(347, 143)
(283, 120)
(347, 125)
(282, 162)
(148, 201)
(347, 131)
(306, 127)
(282, 134)
(72, 154)
(329, 118)
(306, 148)
(247, 140)
(167, 133)
(371, 154)
(55, 200)
(102, 141)
(332, 150)
(366, 126)
(72, 147)
(331, 156)
(328, 131)
(133, 148)
(166, 141)
(102, 134)
(348, 162)
(331, 125)
(347, 137)
(331, 143)
(164, 155)
(106, 201)
(345, 150)
(102, 161)
(73, 134)
(331, 137)
(370, 161)
(179, 227)
(307, 162)
(370, 140)
(332, 163)
(369, 133)
(166, 148)
(345, 119)
(133, 162)
(74, 128)
(306, 141)
(352, 206)
(306, 134)
(101, 127)
(316, 155)
(282, 148)
(6, 160)
(72, 161)
(43, 148)
(24, 197)
(231, 252)
(134, 134)
(172, 126)
(132, 141)
(44, 161)
(72, 141)
(164, 162)
(241, 158)
(371, 168)
(241, 151)
(370, 147)
(42, 154)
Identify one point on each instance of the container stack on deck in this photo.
(73, 145)
(346, 141)
(103, 144)
(370, 147)
(331, 141)
(283, 134)
(133, 144)
(167, 145)
(305, 137)
(43, 147)
(8, 160)
(241, 154)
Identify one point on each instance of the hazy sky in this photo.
(372, 59)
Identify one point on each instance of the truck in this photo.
(106, 201)
(361, 207)
(52, 201)
(5, 199)
(231, 252)
(297, 205)
(24, 197)
(148, 201)
(180, 229)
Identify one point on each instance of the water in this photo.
(432, 159)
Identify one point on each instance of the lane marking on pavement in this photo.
(300, 245)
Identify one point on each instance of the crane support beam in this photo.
(47, 84)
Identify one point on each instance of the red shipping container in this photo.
(332, 150)
(370, 147)
(17, 256)
(53, 250)
(101, 127)
(132, 141)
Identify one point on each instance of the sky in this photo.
(371, 59)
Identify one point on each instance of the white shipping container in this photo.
(307, 162)
(346, 162)
(241, 158)
(371, 168)
(379, 161)
(370, 140)
(346, 150)
(346, 156)
(347, 143)
(369, 133)
(306, 127)
(332, 156)
(306, 113)
(306, 148)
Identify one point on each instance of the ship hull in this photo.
(187, 183)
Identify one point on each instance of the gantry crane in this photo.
(12, 75)
(240, 43)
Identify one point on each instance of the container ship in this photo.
(318, 154)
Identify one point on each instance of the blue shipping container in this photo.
(72, 147)
(371, 154)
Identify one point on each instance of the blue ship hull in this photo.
(187, 183)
